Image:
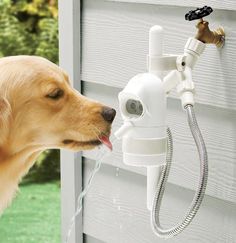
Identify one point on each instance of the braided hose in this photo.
(155, 222)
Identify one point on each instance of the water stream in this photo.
(101, 155)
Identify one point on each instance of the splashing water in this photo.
(86, 189)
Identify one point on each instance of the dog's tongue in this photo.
(105, 140)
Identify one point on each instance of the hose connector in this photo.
(186, 88)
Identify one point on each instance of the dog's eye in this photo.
(56, 94)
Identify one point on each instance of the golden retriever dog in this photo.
(39, 110)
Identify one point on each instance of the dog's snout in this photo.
(108, 114)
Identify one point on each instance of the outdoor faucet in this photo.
(204, 34)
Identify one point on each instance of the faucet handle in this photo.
(198, 13)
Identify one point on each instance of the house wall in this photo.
(114, 44)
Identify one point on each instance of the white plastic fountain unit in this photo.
(146, 139)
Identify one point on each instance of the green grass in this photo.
(34, 216)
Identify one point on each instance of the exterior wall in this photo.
(114, 47)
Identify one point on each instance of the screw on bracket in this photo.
(204, 34)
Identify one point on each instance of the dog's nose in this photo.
(108, 114)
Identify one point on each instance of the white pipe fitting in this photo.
(192, 50)
(143, 106)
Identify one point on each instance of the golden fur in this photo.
(31, 121)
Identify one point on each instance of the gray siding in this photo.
(115, 45)
(115, 211)
(219, 137)
(216, 4)
(114, 48)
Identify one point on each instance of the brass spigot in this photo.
(204, 34)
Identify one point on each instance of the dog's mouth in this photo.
(102, 139)
(82, 143)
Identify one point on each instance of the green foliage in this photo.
(30, 27)
(46, 168)
(36, 8)
(47, 40)
(14, 38)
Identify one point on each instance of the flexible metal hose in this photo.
(155, 222)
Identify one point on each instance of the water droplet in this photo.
(117, 171)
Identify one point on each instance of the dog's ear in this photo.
(5, 116)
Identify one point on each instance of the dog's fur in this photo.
(32, 119)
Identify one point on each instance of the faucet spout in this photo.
(207, 36)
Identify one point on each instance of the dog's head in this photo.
(38, 106)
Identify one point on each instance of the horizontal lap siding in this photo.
(114, 48)
(115, 211)
(90, 239)
(219, 137)
(216, 4)
(115, 44)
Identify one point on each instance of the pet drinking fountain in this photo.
(146, 139)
